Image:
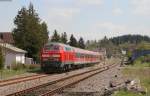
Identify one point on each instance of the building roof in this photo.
(7, 37)
(13, 48)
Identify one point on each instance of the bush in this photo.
(129, 54)
(147, 58)
(32, 66)
(18, 66)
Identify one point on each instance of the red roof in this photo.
(7, 37)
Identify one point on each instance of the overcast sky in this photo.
(91, 19)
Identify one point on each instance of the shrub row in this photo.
(20, 66)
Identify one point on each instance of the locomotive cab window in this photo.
(52, 47)
(67, 49)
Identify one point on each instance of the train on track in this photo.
(62, 57)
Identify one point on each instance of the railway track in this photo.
(53, 87)
(21, 79)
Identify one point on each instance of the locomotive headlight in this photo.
(56, 59)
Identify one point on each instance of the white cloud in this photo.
(60, 18)
(63, 18)
(141, 7)
(109, 26)
(117, 12)
(63, 12)
(90, 2)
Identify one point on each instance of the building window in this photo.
(1, 36)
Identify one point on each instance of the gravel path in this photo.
(95, 85)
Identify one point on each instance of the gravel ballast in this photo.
(5, 90)
(29, 84)
(95, 85)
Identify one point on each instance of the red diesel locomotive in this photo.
(57, 56)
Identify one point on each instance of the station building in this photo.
(12, 55)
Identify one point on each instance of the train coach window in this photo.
(67, 49)
(78, 55)
(82, 56)
(86, 56)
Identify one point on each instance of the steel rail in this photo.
(81, 78)
(20, 79)
(69, 83)
(56, 88)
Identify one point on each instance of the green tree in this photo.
(73, 41)
(64, 38)
(44, 33)
(130, 39)
(55, 37)
(91, 45)
(108, 45)
(81, 43)
(29, 34)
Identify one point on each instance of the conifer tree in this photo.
(45, 32)
(55, 37)
(64, 38)
(81, 43)
(29, 34)
(73, 41)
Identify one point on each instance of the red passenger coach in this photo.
(57, 56)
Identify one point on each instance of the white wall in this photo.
(20, 58)
(12, 57)
(9, 58)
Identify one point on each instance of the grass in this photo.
(142, 73)
(6, 73)
(139, 71)
(139, 63)
(126, 93)
(9, 73)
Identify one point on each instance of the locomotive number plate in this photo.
(45, 55)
